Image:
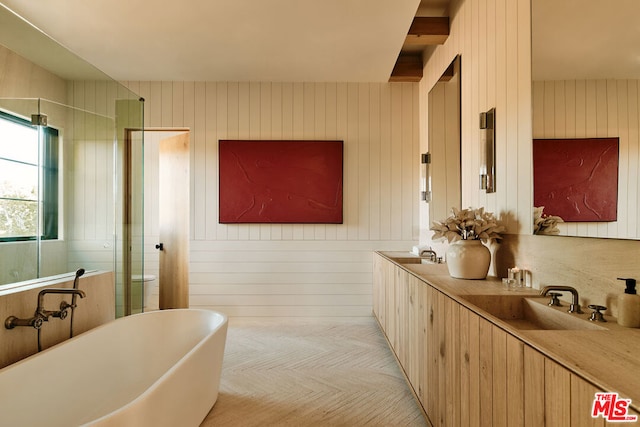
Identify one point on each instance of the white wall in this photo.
(89, 175)
(296, 270)
(596, 109)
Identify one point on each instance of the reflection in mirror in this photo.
(444, 143)
(586, 83)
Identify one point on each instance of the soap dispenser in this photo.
(629, 305)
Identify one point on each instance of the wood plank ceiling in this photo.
(425, 31)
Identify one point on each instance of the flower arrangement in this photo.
(543, 223)
(468, 224)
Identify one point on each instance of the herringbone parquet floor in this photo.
(311, 373)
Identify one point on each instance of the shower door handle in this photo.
(160, 246)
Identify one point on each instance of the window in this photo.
(28, 202)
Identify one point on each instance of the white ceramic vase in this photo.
(468, 259)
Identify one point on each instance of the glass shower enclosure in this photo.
(85, 195)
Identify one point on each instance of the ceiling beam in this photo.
(428, 31)
(424, 31)
(408, 68)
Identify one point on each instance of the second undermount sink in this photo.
(532, 313)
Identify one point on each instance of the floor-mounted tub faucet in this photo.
(575, 303)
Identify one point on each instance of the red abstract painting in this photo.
(576, 179)
(280, 181)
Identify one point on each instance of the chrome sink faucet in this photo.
(432, 256)
(574, 307)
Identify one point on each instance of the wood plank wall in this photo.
(89, 185)
(295, 270)
(493, 39)
(596, 109)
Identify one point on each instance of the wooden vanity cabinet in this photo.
(465, 370)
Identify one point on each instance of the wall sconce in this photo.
(425, 177)
(488, 151)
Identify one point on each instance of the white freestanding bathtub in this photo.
(160, 368)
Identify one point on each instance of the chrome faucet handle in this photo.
(596, 315)
(554, 302)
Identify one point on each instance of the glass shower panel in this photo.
(93, 196)
(129, 193)
(19, 256)
(96, 193)
(76, 203)
(86, 222)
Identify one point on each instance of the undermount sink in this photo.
(531, 313)
(429, 261)
(417, 260)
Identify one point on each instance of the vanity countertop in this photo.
(609, 359)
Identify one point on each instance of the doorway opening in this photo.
(162, 201)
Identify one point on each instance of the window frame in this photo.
(48, 216)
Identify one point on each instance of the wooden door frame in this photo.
(126, 217)
(174, 182)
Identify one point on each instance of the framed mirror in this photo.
(444, 143)
(586, 83)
